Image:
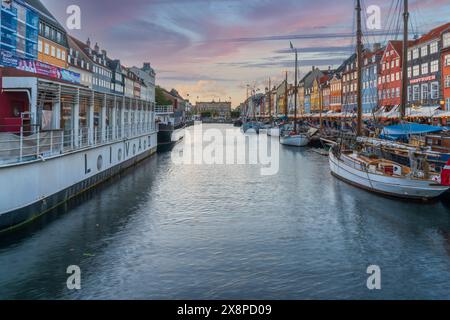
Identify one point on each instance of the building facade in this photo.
(370, 71)
(325, 89)
(424, 69)
(79, 63)
(53, 45)
(217, 109)
(19, 23)
(445, 62)
(349, 85)
(336, 92)
(390, 77)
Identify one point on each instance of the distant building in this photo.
(220, 109)
(336, 93)
(148, 75)
(349, 85)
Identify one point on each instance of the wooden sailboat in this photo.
(295, 138)
(379, 175)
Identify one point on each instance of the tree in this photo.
(160, 98)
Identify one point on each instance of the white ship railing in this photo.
(164, 109)
(28, 144)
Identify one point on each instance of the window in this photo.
(434, 66)
(397, 63)
(416, 93)
(447, 104)
(53, 51)
(47, 49)
(409, 93)
(435, 90)
(392, 64)
(58, 53)
(409, 72)
(425, 92)
(434, 47)
(424, 51)
(425, 68)
(415, 54)
(409, 55)
(397, 76)
(416, 71)
(447, 60)
(447, 81)
(40, 46)
(446, 40)
(63, 55)
(397, 92)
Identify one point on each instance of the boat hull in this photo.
(398, 187)
(169, 136)
(273, 132)
(37, 187)
(295, 140)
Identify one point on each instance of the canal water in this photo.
(168, 231)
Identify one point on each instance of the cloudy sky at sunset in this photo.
(212, 49)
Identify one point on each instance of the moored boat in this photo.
(295, 139)
(386, 177)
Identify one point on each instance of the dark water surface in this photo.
(164, 231)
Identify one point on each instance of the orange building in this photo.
(336, 93)
(52, 44)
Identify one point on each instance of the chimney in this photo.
(313, 68)
(147, 66)
(104, 54)
(88, 42)
(97, 48)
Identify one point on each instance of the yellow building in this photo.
(315, 96)
(52, 44)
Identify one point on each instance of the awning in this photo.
(422, 111)
(403, 131)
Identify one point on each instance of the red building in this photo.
(445, 56)
(390, 78)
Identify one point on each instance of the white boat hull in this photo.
(400, 187)
(38, 186)
(295, 140)
(273, 132)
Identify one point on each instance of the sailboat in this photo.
(354, 165)
(294, 138)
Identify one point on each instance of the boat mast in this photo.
(270, 99)
(295, 89)
(404, 60)
(359, 67)
(286, 97)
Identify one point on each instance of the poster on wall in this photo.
(48, 70)
(8, 59)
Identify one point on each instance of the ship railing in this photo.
(164, 109)
(28, 143)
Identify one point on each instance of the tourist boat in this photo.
(295, 139)
(171, 126)
(386, 177)
(47, 160)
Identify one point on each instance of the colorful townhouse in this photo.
(325, 90)
(445, 61)
(79, 62)
(53, 45)
(390, 77)
(349, 85)
(370, 70)
(424, 69)
(336, 92)
(315, 96)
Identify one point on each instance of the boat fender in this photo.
(445, 174)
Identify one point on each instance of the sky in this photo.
(212, 49)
